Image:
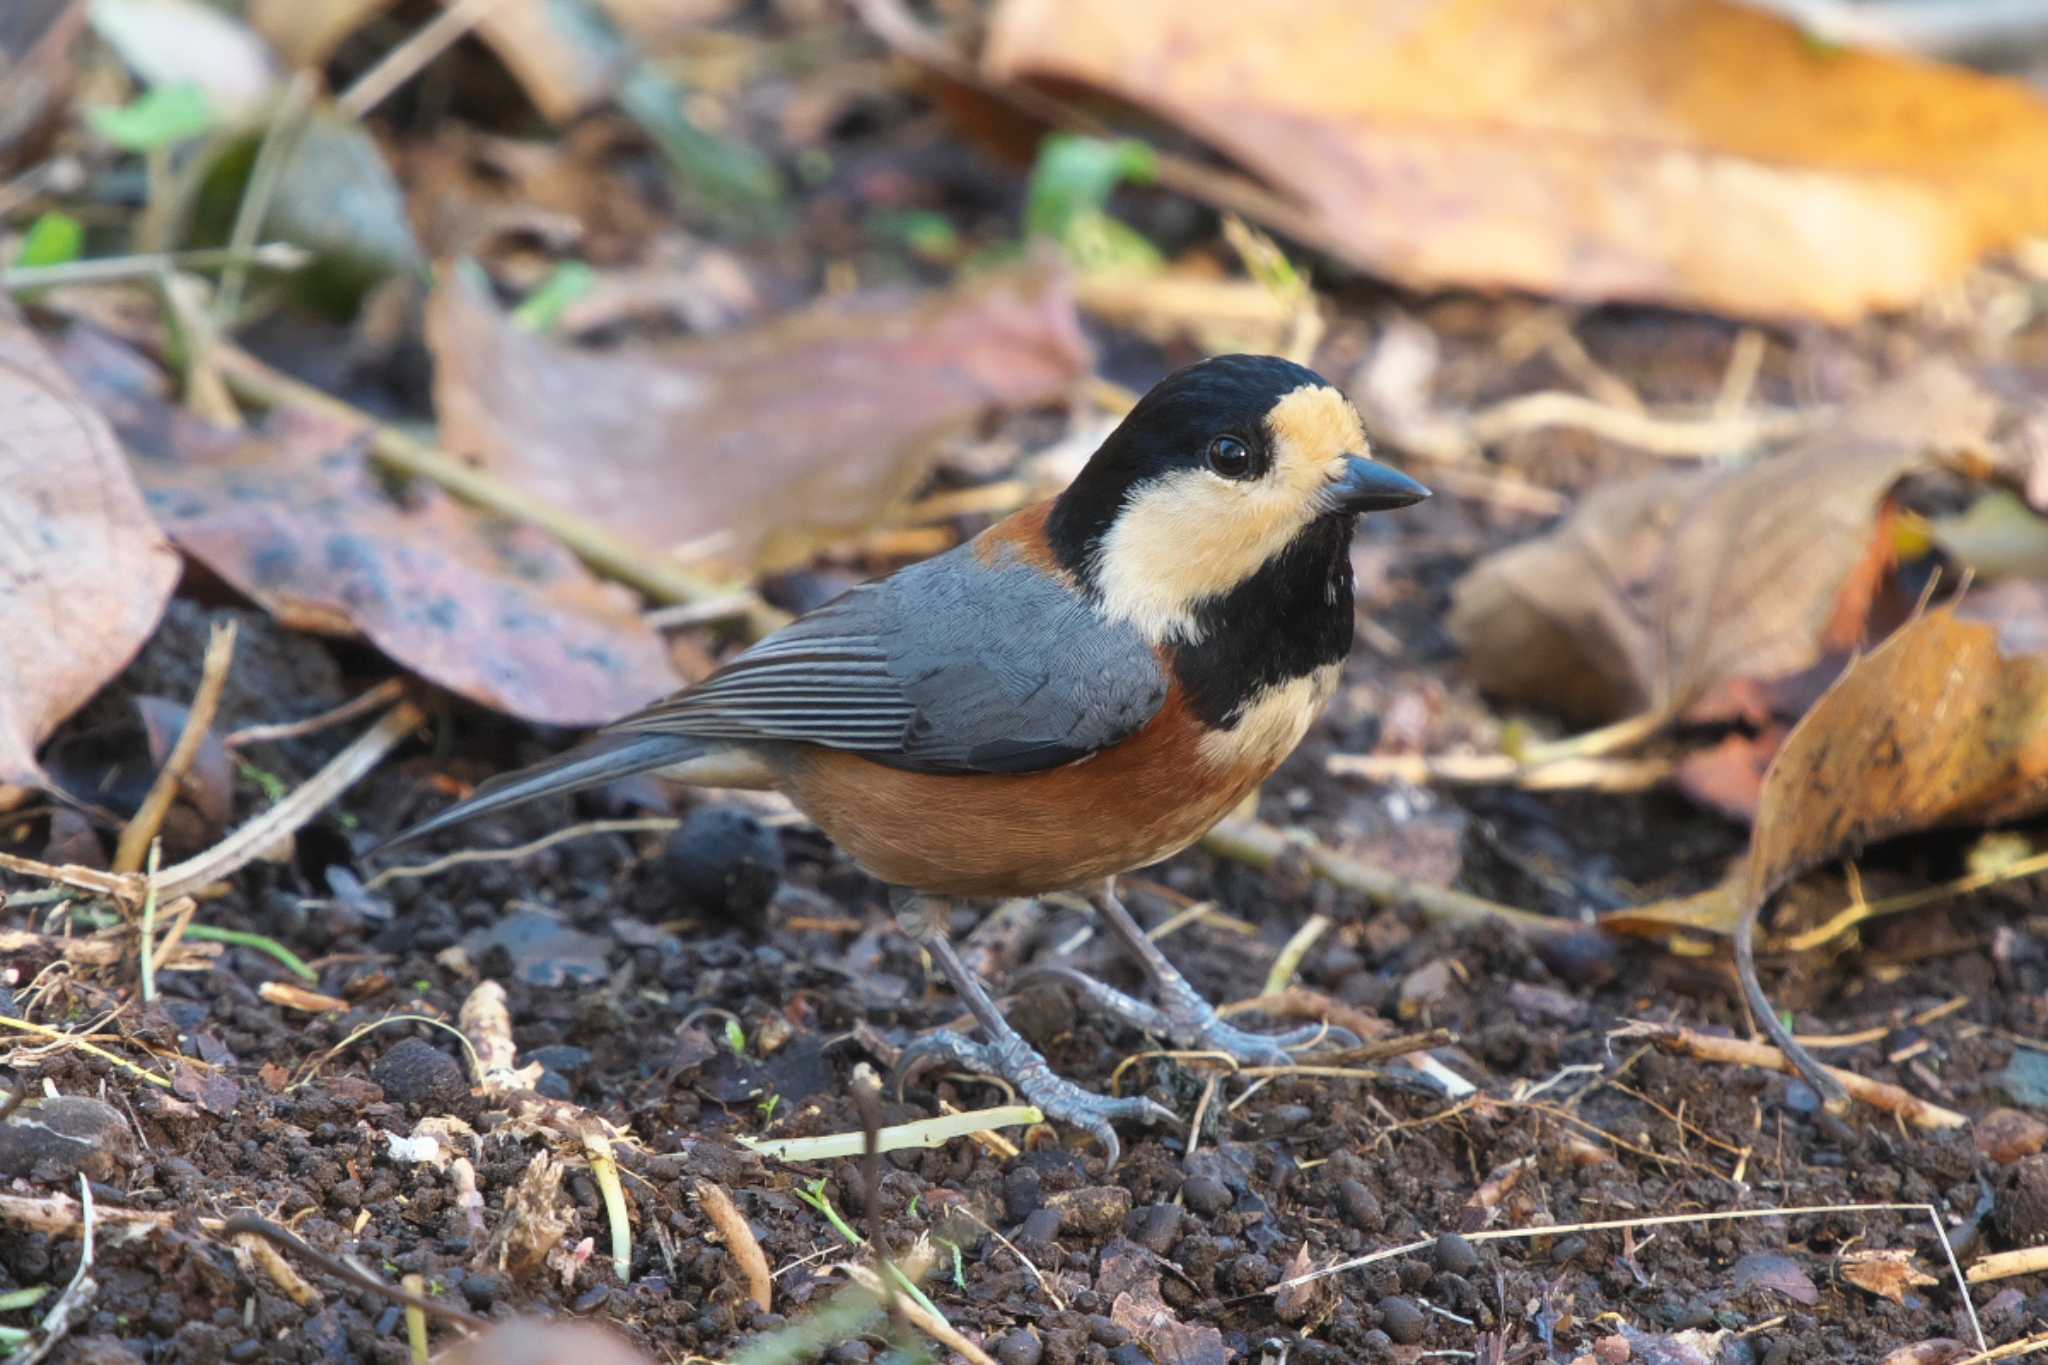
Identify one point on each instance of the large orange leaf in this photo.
(1683, 151)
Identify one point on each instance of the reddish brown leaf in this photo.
(84, 570)
(1687, 151)
(295, 517)
(1777, 1272)
(751, 445)
(1658, 591)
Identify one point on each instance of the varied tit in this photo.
(1083, 689)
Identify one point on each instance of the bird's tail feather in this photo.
(592, 763)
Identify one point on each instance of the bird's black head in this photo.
(1224, 472)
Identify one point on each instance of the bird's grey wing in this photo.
(950, 666)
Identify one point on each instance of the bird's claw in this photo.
(1017, 1062)
(1192, 1023)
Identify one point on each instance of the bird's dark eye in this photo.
(1230, 457)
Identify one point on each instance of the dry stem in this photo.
(1740, 1052)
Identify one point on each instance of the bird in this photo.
(1083, 689)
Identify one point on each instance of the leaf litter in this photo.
(1289, 1172)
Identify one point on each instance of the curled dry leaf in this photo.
(751, 446)
(1694, 152)
(1888, 1273)
(294, 516)
(1660, 590)
(84, 569)
(1936, 726)
(1128, 1273)
(1942, 724)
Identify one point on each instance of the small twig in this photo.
(147, 931)
(150, 265)
(1297, 948)
(248, 843)
(2003, 1265)
(79, 1292)
(604, 1169)
(914, 1313)
(740, 1242)
(646, 825)
(1848, 918)
(346, 1273)
(280, 141)
(383, 694)
(2012, 1350)
(1686, 438)
(410, 57)
(925, 1133)
(1740, 1052)
(1260, 845)
(867, 1097)
(1612, 775)
(604, 552)
(149, 817)
(415, 1320)
(90, 1049)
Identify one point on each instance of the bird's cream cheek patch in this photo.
(1272, 723)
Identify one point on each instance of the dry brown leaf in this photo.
(295, 517)
(1942, 724)
(36, 72)
(1660, 590)
(306, 32)
(1936, 1351)
(1128, 1273)
(1683, 151)
(752, 446)
(84, 570)
(1936, 726)
(1888, 1273)
(565, 56)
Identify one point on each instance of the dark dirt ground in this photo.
(621, 976)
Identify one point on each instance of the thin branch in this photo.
(149, 817)
(604, 552)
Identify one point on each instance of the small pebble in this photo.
(1022, 1195)
(1104, 1332)
(1206, 1197)
(1455, 1255)
(725, 862)
(851, 1353)
(1283, 1119)
(1096, 1211)
(1019, 1346)
(1403, 1320)
(414, 1071)
(1040, 1228)
(59, 1136)
(1361, 1206)
(1156, 1227)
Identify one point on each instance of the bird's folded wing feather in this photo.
(950, 666)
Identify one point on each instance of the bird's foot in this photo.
(1191, 1023)
(1008, 1057)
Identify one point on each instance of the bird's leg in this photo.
(1005, 1054)
(1182, 1015)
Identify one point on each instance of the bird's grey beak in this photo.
(1368, 486)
